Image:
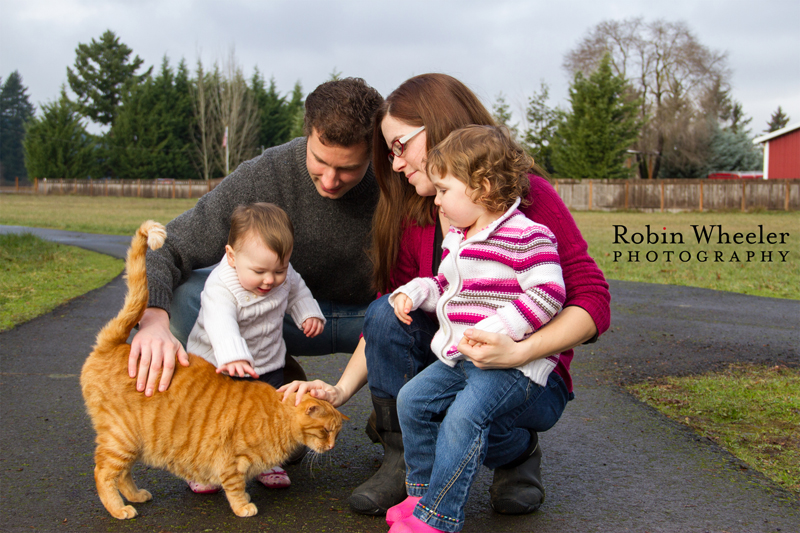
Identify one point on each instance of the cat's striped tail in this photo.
(116, 332)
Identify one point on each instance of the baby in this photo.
(239, 327)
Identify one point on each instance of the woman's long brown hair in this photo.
(442, 104)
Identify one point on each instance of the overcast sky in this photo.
(493, 46)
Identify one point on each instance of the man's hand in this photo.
(154, 348)
(317, 389)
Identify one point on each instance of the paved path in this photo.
(610, 465)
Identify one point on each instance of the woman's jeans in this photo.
(443, 456)
(397, 352)
(341, 334)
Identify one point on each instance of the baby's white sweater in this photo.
(236, 325)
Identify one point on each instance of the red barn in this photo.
(781, 153)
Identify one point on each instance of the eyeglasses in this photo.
(399, 145)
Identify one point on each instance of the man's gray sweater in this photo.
(331, 236)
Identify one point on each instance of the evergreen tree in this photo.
(502, 115)
(335, 75)
(276, 116)
(296, 112)
(733, 150)
(15, 111)
(593, 139)
(103, 73)
(777, 121)
(542, 123)
(182, 116)
(138, 139)
(57, 144)
(150, 138)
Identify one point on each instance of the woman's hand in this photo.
(238, 369)
(569, 328)
(493, 350)
(317, 389)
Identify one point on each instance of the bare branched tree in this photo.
(224, 102)
(235, 109)
(667, 67)
(204, 126)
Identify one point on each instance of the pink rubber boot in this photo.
(402, 510)
(413, 525)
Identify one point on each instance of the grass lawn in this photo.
(37, 276)
(752, 411)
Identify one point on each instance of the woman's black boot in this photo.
(517, 486)
(387, 487)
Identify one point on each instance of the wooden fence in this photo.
(679, 195)
(602, 195)
(135, 188)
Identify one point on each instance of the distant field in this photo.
(727, 267)
(89, 214)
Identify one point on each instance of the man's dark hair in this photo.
(342, 112)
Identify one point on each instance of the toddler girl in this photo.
(500, 272)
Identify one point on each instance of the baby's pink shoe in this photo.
(413, 525)
(199, 488)
(275, 478)
(402, 510)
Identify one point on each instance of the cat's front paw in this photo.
(246, 510)
(125, 512)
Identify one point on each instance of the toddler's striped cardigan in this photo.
(504, 279)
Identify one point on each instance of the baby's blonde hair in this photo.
(264, 221)
(484, 154)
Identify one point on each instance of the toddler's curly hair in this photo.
(484, 154)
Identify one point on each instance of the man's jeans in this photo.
(396, 352)
(443, 456)
(341, 334)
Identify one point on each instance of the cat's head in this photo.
(320, 423)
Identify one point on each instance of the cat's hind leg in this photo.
(234, 485)
(127, 486)
(109, 465)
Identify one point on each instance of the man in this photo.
(325, 182)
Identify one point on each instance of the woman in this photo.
(407, 236)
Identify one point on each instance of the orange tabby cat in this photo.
(207, 427)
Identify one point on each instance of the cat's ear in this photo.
(344, 417)
(313, 410)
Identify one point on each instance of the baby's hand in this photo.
(238, 368)
(402, 306)
(312, 326)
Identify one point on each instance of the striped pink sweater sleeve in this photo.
(526, 302)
